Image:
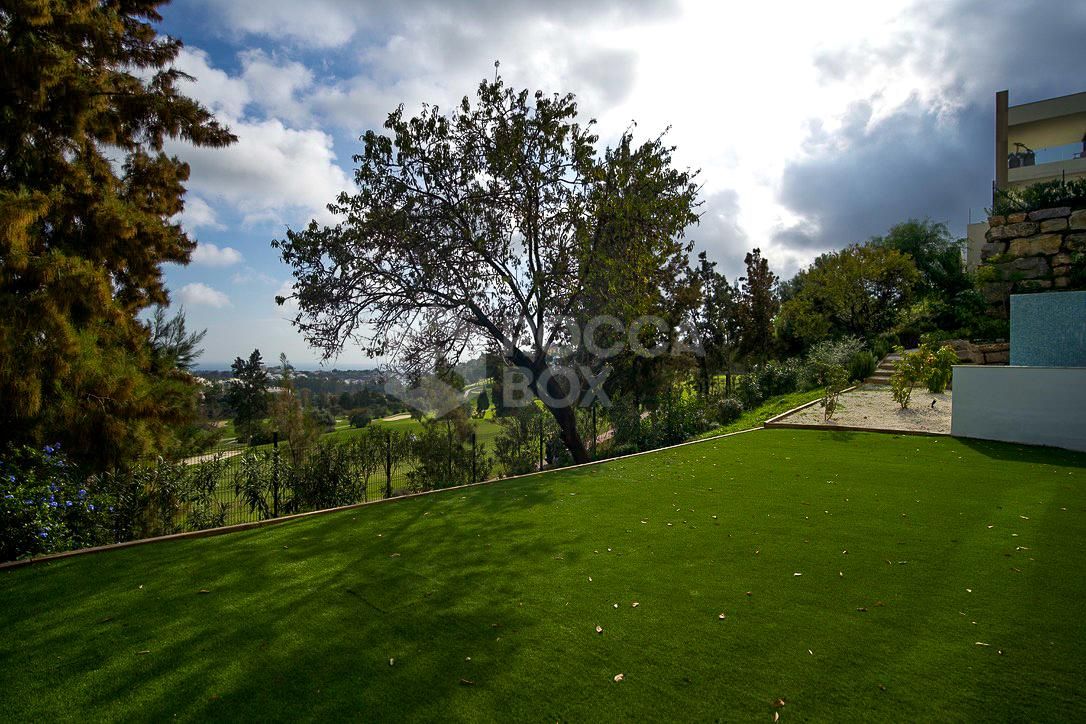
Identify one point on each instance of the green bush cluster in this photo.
(1044, 195)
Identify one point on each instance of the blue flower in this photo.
(91, 507)
(11, 478)
(9, 496)
(48, 449)
(43, 534)
(68, 503)
(52, 504)
(82, 492)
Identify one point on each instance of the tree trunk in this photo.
(566, 417)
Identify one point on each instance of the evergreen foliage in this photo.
(88, 201)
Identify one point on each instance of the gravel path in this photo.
(873, 407)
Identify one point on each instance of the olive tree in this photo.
(489, 226)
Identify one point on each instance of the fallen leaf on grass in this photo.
(619, 677)
(203, 590)
(776, 716)
(981, 643)
(722, 616)
(599, 629)
(779, 703)
(467, 682)
(635, 604)
(141, 653)
(391, 662)
(861, 609)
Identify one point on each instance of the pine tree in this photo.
(85, 86)
(247, 394)
(758, 305)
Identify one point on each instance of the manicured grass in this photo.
(482, 604)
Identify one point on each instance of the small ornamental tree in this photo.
(909, 371)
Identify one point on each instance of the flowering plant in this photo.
(47, 505)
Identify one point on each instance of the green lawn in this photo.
(858, 575)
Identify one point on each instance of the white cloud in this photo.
(272, 174)
(275, 87)
(249, 275)
(197, 214)
(207, 254)
(211, 86)
(199, 294)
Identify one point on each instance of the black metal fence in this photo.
(246, 484)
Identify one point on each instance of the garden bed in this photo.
(872, 408)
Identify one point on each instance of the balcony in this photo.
(1026, 165)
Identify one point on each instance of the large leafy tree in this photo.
(936, 254)
(859, 290)
(491, 225)
(87, 197)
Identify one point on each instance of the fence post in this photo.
(594, 433)
(275, 474)
(473, 470)
(541, 441)
(388, 463)
(449, 464)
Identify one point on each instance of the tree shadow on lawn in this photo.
(1030, 454)
(300, 619)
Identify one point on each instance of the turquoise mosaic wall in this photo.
(1049, 329)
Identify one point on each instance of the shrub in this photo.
(47, 506)
(880, 348)
(862, 365)
(825, 356)
(909, 371)
(323, 418)
(1044, 195)
(517, 445)
(360, 418)
(444, 456)
(678, 418)
(749, 392)
(160, 497)
(940, 367)
(726, 410)
(768, 380)
(626, 421)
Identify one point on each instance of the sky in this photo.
(813, 125)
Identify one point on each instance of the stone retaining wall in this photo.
(970, 353)
(1039, 251)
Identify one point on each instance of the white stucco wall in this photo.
(1032, 405)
